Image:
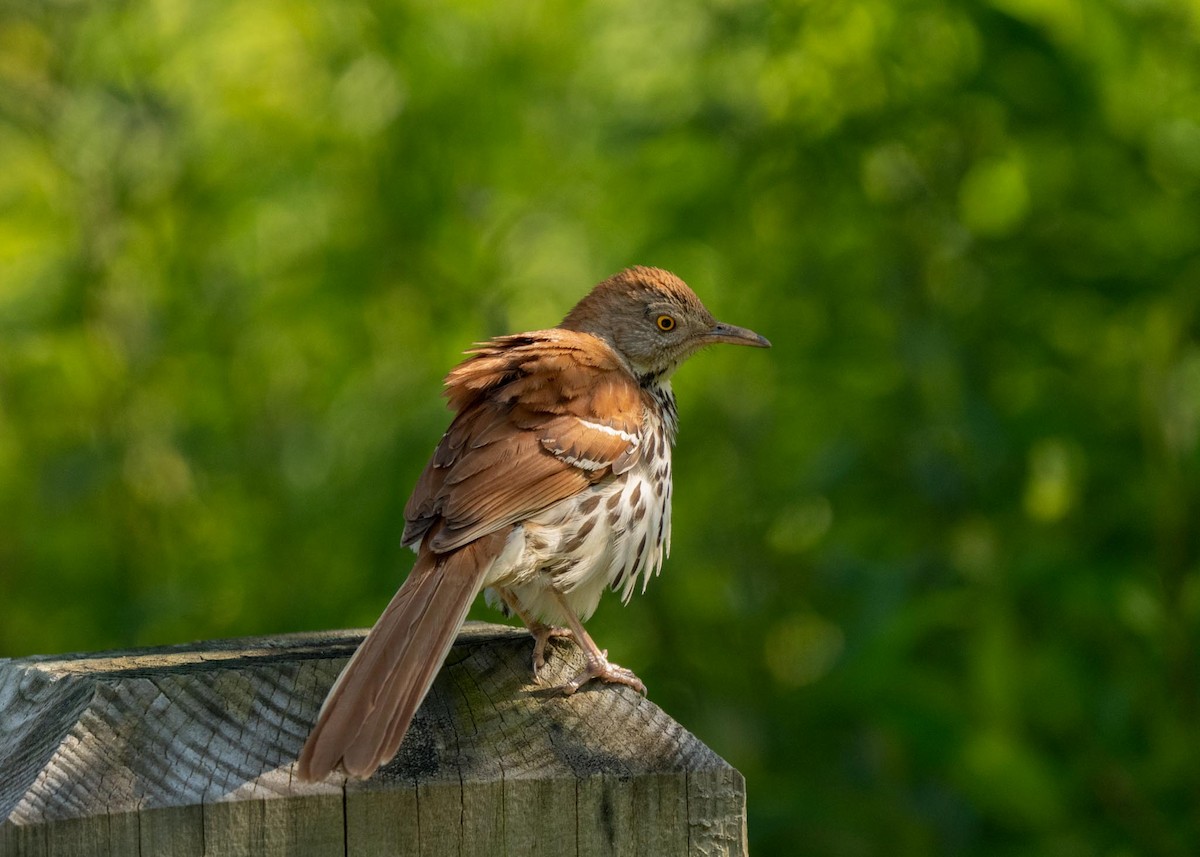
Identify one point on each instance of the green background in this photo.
(935, 586)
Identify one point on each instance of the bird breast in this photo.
(612, 534)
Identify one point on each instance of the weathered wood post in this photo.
(188, 750)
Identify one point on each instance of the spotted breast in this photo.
(612, 534)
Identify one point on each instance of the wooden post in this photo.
(189, 750)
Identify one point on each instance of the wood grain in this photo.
(189, 749)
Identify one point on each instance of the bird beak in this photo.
(733, 335)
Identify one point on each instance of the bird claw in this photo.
(542, 634)
(601, 668)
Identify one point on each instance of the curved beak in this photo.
(733, 335)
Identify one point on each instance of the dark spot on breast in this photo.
(562, 566)
(576, 541)
(589, 505)
(613, 499)
(637, 493)
(573, 544)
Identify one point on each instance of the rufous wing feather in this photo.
(540, 416)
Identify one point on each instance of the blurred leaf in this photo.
(935, 581)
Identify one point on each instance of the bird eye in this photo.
(665, 322)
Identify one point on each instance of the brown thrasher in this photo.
(552, 483)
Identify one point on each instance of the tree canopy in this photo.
(935, 585)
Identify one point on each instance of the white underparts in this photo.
(613, 534)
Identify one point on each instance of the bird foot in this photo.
(542, 634)
(598, 666)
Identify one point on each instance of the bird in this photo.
(551, 485)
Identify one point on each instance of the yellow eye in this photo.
(665, 322)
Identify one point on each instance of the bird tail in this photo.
(372, 703)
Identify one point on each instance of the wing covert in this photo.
(540, 417)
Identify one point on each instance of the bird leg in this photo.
(542, 633)
(598, 665)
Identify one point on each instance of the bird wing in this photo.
(540, 416)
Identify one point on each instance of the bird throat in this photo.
(659, 390)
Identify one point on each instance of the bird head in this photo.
(653, 320)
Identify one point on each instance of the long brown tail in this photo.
(371, 705)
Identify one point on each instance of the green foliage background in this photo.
(936, 577)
